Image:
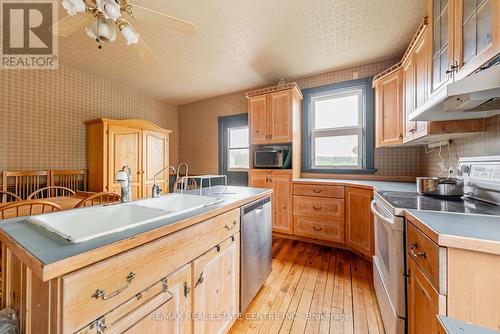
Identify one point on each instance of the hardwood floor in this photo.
(313, 289)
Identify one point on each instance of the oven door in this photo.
(389, 256)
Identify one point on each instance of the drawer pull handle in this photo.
(100, 324)
(316, 191)
(413, 247)
(199, 280)
(187, 289)
(317, 208)
(102, 294)
(317, 229)
(229, 228)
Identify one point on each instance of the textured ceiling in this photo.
(243, 44)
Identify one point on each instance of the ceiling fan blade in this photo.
(145, 52)
(68, 25)
(174, 23)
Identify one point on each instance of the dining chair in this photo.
(99, 198)
(184, 184)
(51, 191)
(27, 208)
(8, 197)
(23, 183)
(74, 179)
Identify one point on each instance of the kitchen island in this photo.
(177, 268)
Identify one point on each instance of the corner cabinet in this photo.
(272, 114)
(281, 183)
(359, 231)
(216, 288)
(389, 104)
(139, 144)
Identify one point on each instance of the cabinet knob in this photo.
(317, 229)
(317, 208)
(401, 136)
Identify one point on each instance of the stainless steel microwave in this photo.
(270, 158)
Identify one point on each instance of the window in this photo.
(338, 127)
(238, 148)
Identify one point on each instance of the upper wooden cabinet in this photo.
(416, 83)
(272, 113)
(440, 43)
(141, 145)
(389, 104)
(476, 34)
(359, 234)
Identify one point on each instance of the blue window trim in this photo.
(365, 84)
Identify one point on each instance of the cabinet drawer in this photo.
(121, 277)
(318, 207)
(428, 256)
(318, 190)
(331, 230)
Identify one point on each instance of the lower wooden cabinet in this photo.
(216, 288)
(423, 302)
(359, 234)
(281, 183)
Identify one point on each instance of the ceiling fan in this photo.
(102, 19)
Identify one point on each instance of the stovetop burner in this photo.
(412, 200)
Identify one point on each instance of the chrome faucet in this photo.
(123, 177)
(156, 190)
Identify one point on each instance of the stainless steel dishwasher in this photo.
(256, 248)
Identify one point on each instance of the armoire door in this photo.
(155, 157)
(124, 145)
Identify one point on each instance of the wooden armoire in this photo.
(139, 144)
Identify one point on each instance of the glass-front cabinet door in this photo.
(477, 33)
(441, 26)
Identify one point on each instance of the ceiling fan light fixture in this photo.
(74, 7)
(109, 8)
(102, 30)
(130, 35)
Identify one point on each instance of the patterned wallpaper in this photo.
(484, 144)
(42, 114)
(198, 125)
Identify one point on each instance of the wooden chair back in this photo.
(99, 198)
(27, 208)
(52, 191)
(74, 179)
(8, 197)
(23, 183)
(185, 184)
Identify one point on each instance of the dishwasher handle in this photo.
(255, 206)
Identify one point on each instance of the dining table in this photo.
(65, 202)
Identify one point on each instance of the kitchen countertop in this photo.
(466, 231)
(376, 185)
(44, 248)
(453, 326)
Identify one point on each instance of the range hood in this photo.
(475, 96)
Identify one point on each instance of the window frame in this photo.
(229, 149)
(365, 130)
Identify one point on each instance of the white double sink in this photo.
(92, 222)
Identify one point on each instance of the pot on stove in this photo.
(440, 186)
